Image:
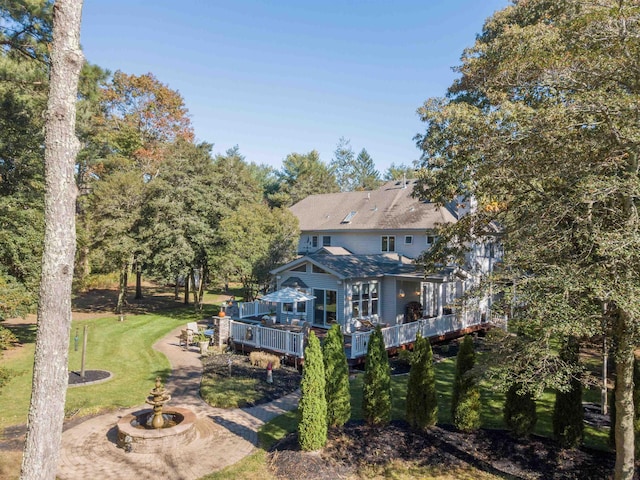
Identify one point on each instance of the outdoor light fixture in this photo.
(401, 293)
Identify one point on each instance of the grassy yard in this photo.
(123, 348)
(255, 467)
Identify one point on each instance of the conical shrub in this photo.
(312, 409)
(568, 414)
(336, 371)
(520, 411)
(465, 399)
(422, 401)
(376, 388)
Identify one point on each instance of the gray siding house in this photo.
(357, 252)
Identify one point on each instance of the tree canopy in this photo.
(541, 132)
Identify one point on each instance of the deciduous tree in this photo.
(302, 175)
(541, 131)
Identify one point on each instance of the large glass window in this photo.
(326, 240)
(364, 299)
(388, 243)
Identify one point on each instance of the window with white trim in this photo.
(364, 299)
(326, 240)
(314, 241)
(408, 239)
(388, 243)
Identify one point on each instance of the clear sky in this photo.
(282, 76)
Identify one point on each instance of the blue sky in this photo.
(276, 77)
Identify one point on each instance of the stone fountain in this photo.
(152, 430)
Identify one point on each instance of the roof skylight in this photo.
(349, 217)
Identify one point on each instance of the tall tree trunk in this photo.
(138, 280)
(50, 374)
(176, 289)
(195, 289)
(122, 289)
(624, 434)
(204, 273)
(187, 281)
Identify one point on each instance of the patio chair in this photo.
(186, 338)
(192, 331)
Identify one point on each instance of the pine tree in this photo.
(568, 415)
(376, 397)
(422, 401)
(312, 410)
(465, 401)
(520, 411)
(336, 372)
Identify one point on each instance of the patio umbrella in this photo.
(286, 295)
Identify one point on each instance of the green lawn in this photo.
(491, 413)
(123, 348)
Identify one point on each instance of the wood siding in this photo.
(367, 243)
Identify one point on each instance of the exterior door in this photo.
(325, 307)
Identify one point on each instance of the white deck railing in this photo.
(292, 343)
(405, 333)
(255, 309)
(274, 339)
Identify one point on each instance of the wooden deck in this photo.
(289, 342)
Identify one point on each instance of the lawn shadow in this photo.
(26, 333)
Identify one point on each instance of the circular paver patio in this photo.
(224, 436)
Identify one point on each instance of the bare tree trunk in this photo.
(138, 280)
(176, 289)
(122, 289)
(203, 275)
(50, 374)
(624, 433)
(187, 281)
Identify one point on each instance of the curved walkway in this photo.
(224, 436)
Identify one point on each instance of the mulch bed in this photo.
(90, 376)
(493, 451)
(285, 379)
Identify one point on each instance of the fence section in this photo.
(273, 339)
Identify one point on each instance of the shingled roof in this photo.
(389, 207)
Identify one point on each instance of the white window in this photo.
(364, 299)
(408, 239)
(431, 239)
(388, 243)
(314, 241)
(326, 240)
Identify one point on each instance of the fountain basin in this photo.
(142, 440)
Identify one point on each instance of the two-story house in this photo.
(357, 252)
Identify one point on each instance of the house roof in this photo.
(361, 266)
(346, 267)
(389, 207)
